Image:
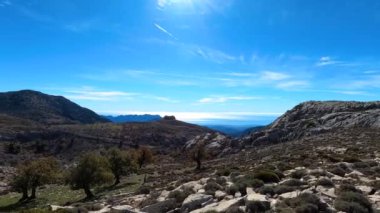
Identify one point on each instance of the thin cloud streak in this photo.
(165, 31)
(224, 99)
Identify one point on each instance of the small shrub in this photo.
(375, 184)
(267, 176)
(283, 166)
(143, 190)
(325, 182)
(231, 190)
(221, 181)
(281, 189)
(298, 174)
(351, 159)
(234, 175)
(265, 190)
(305, 202)
(179, 195)
(254, 206)
(338, 171)
(235, 209)
(223, 172)
(307, 208)
(348, 188)
(351, 207)
(352, 202)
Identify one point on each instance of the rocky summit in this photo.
(315, 117)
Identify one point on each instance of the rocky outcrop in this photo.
(215, 143)
(315, 117)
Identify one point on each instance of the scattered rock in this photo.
(194, 201)
(160, 207)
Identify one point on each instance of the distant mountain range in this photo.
(46, 109)
(133, 118)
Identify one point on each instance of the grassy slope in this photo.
(61, 195)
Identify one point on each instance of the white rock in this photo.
(194, 201)
(289, 194)
(329, 192)
(365, 189)
(222, 206)
(163, 196)
(220, 194)
(250, 190)
(375, 199)
(123, 209)
(201, 191)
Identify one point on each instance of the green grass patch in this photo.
(61, 195)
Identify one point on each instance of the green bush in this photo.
(325, 182)
(307, 208)
(231, 190)
(298, 174)
(305, 202)
(234, 209)
(281, 189)
(351, 159)
(267, 176)
(350, 207)
(143, 190)
(283, 166)
(255, 206)
(348, 188)
(223, 172)
(266, 190)
(221, 181)
(180, 195)
(349, 201)
(338, 171)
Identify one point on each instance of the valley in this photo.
(317, 157)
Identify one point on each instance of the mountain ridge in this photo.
(46, 109)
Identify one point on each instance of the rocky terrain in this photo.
(324, 173)
(317, 157)
(316, 117)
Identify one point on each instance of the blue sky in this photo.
(200, 60)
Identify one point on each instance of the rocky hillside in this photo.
(46, 109)
(315, 117)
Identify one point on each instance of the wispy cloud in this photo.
(325, 61)
(274, 76)
(289, 85)
(92, 94)
(165, 99)
(205, 52)
(213, 55)
(164, 31)
(223, 99)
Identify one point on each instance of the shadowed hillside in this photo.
(46, 109)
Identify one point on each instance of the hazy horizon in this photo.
(200, 60)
